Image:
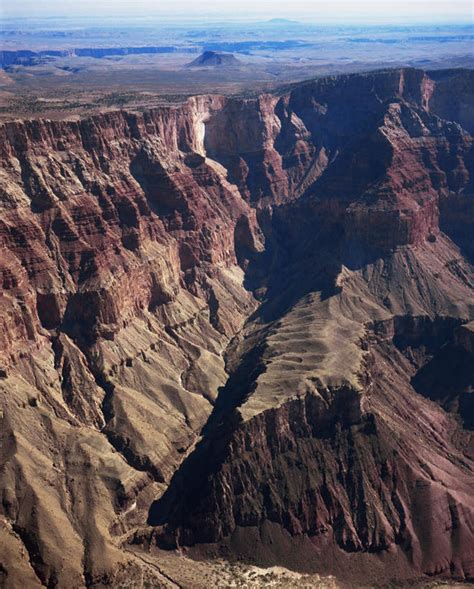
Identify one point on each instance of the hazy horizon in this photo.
(338, 11)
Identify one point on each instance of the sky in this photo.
(318, 10)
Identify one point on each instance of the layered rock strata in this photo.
(227, 324)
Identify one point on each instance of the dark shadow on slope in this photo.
(190, 485)
(296, 263)
(448, 379)
(444, 367)
(162, 195)
(457, 220)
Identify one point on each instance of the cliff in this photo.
(220, 324)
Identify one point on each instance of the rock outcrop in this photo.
(232, 326)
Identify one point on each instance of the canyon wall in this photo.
(219, 323)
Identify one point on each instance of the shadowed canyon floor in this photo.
(241, 331)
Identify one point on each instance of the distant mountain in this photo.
(215, 59)
(282, 21)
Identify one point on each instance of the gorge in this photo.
(243, 328)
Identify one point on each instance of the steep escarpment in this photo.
(116, 312)
(226, 323)
(319, 462)
(311, 445)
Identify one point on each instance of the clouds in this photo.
(316, 9)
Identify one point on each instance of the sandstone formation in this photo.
(242, 327)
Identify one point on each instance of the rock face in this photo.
(241, 326)
(215, 59)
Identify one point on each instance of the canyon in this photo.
(241, 328)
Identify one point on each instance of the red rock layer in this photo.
(134, 247)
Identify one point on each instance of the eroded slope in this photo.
(238, 302)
